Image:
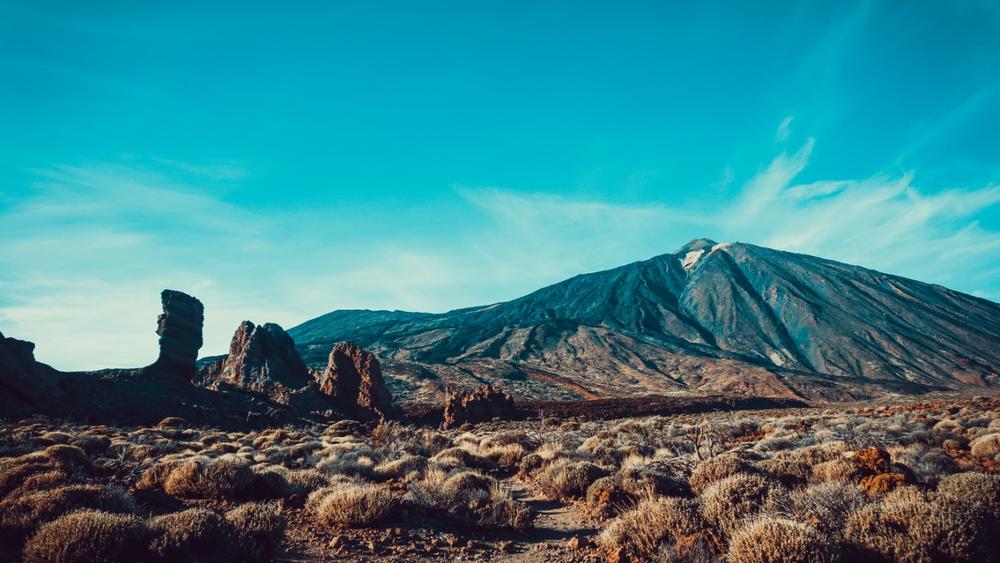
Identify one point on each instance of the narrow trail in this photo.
(556, 525)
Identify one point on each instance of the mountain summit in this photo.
(720, 317)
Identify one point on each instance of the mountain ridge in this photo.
(710, 316)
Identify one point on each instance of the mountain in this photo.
(728, 317)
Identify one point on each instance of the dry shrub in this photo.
(41, 481)
(531, 465)
(827, 505)
(817, 453)
(608, 496)
(470, 498)
(57, 437)
(777, 540)
(399, 468)
(171, 423)
(351, 504)
(893, 529)
(788, 471)
(225, 477)
(871, 461)
(190, 535)
(156, 476)
(67, 456)
(971, 487)
(875, 485)
(987, 446)
(735, 498)
(638, 533)
(458, 456)
(837, 470)
(93, 445)
(22, 514)
(88, 536)
(718, 468)
(565, 480)
(257, 529)
(505, 456)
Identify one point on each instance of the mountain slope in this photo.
(720, 317)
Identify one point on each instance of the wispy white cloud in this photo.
(784, 129)
(84, 254)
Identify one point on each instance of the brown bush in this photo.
(875, 485)
(225, 477)
(88, 536)
(258, 529)
(190, 535)
(986, 446)
(789, 472)
(564, 480)
(470, 498)
(978, 488)
(718, 468)
(777, 540)
(836, 470)
(735, 498)
(22, 514)
(639, 533)
(827, 505)
(351, 505)
(893, 529)
(608, 496)
(872, 461)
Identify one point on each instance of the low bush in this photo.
(728, 502)
(88, 536)
(351, 504)
(777, 540)
(639, 533)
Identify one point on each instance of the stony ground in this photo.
(821, 483)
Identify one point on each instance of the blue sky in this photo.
(281, 163)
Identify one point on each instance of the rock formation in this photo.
(179, 328)
(25, 385)
(353, 382)
(260, 354)
(481, 405)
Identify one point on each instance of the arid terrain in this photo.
(898, 480)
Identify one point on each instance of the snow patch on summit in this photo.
(691, 258)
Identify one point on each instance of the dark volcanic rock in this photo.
(25, 385)
(353, 382)
(179, 328)
(481, 405)
(260, 355)
(732, 318)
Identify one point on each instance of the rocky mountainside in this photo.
(709, 317)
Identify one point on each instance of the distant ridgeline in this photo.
(720, 318)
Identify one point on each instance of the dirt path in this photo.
(557, 524)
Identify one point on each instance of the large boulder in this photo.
(353, 382)
(480, 405)
(179, 328)
(261, 358)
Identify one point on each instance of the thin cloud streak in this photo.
(85, 254)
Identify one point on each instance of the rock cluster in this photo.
(481, 405)
(353, 382)
(179, 328)
(260, 355)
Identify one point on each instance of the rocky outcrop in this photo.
(25, 385)
(259, 356)
(179, 328)
(353, 383)
(481, 405)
